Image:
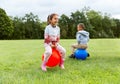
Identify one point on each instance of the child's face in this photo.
(54, 20)
(79, 28)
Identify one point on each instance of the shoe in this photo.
(43, 66)
(72, 56)
(88, 55)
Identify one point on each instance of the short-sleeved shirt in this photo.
(52, 33)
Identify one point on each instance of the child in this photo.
(51, 40)
(82, 37)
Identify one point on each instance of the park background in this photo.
(27, 19)
(22, 24)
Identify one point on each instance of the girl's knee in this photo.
(73, 45)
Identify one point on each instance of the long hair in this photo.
(48, 20)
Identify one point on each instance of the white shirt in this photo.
(52, 33)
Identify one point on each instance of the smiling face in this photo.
(54, 20)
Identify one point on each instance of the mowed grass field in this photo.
(20, 62)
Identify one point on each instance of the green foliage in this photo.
(28, 27)
(98, 25)
(116, 29)
(95, 19)
(6, 27)
(66, 29)
(68, 25)
(31, 27)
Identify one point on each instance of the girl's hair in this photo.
(82, 25)
(50, 17)
(48, 20)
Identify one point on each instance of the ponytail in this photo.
(50, 17)
(48, 20)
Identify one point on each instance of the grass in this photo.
(20, 63)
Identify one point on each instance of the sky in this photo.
(43, 8)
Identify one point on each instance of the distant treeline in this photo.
(31, 27)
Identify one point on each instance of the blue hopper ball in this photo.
(81, 54)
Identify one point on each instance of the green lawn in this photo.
(20, 63)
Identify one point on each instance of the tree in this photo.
(32, 26)
(108, 26)
(95, 19)
(116, 30)
(6, 26)
(69, 24)
(19, 31)
(64, 23)
(80, 17)
(28, 27)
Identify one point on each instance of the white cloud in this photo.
(116, 16)
(44, 7)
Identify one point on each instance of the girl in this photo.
(51, 40)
